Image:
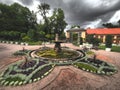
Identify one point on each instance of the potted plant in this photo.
(108, 42)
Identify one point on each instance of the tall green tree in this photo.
(23, 17)
(57, 21)
(43, 10)
(41, 32)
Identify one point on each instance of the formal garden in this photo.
(37, 64)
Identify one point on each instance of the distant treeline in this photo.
(19, 23)
(15, 21)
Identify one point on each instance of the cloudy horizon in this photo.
(85, 13)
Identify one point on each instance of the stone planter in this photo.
(108, 49)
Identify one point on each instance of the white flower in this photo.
(108, 73)
(2, 82)
(46, 73)
(111, 72)
(42, 76)
(91, 71)
(103, 72)
(20, 83)
(6, 83)
(30, 81)
(87, 70)
(11, 83)
(15, 83)
(38, 78)
(83, 68)
(1, 78)
(35, 80)
(98, 72)
(50, 70)
(24, 82)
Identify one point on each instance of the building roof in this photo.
(76, 30)
(104, 31)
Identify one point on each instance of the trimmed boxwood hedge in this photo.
(20, 72)
(86, 66)
(103, 68)
(19, 78)
(21, 52)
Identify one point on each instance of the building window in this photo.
(115, 37)
(99, 36)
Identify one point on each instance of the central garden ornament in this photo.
(43, 60)
(57, 46)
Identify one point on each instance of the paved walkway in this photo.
(65, 77)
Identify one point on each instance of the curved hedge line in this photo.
(21, 52)
(19, 73)
(103, 68)
(9, 77)
(85, 66)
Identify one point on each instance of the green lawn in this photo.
(114, 48)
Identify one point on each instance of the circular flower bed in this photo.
(20, 73)
(50, 55)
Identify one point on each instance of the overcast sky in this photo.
(86, 13)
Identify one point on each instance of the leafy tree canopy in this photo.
(16, 18)
(111, 25)
(57, 21)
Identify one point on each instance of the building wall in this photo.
(102, 36)
(83, 34)
(116, 38)
(67, 34)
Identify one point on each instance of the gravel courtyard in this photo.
(65, 77)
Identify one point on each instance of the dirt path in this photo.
(66, 77)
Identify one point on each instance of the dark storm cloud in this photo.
(82, 11)
(26, 2)
(6, 1)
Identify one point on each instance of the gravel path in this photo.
(65, 77)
